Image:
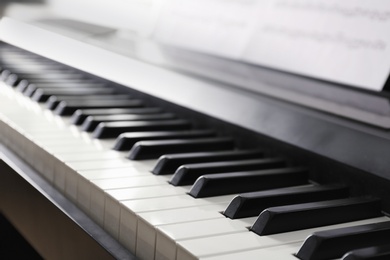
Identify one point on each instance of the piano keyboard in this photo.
(174, 206)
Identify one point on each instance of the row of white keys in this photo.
(112, 206)
(108, 186)
(226, 244)
(44, 151)
(135, 224)
(68, 144)
(66, 176)
(137, 231)
(167, 235)
(134, 212)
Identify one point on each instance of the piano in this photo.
(114, 146)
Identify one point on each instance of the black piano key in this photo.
(53, 101)
(67, 108)
(24, 83)
(154, 149)
(47, 74)
(331, 244)
(252, 204)
(14, 80)
(239, 182)
(30, 90)
(91, 122)
(188, 173)
(380, 252)
(81, 114)
(167, 164)
(43, 95)
(126, 141)
(315, 214)
(114, 129)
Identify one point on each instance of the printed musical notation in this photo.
(335, 38)
(340, 9)
(219, 27)
(340, 41)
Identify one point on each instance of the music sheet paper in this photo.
(341, 41)
(219, 27)
(346, 42)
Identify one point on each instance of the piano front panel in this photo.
(146, 214)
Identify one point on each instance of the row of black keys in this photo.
(282, 207)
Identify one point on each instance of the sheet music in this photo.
(340, 41)
(219, 27)
(347, 41)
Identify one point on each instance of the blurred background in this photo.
(4, 4)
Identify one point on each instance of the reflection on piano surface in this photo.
(173, 164)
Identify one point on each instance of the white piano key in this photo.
(89, 161)
(96, 181)
(39, 158)
(24, 145)
(284, 252)
(61, 170)
(35, 123)
(67, 170)
(106, 144)
(44, 138)
(44, 162)
(17, 142)
(112, 182)
(113, 198)
(72, 176)
(54, 142)
(3, 125)
(79, 181)
(79, 149)
(85, 187)
(146, 192)
(226, 244)
(130, 209)
(113, 173)
(129, 182)
(180, 201)
(104, 155)
(129, 230)
(169, 235)
(98, 165)
(7, 133)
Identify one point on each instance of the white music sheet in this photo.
(219, 27)
(342, 41)
(347, 41)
